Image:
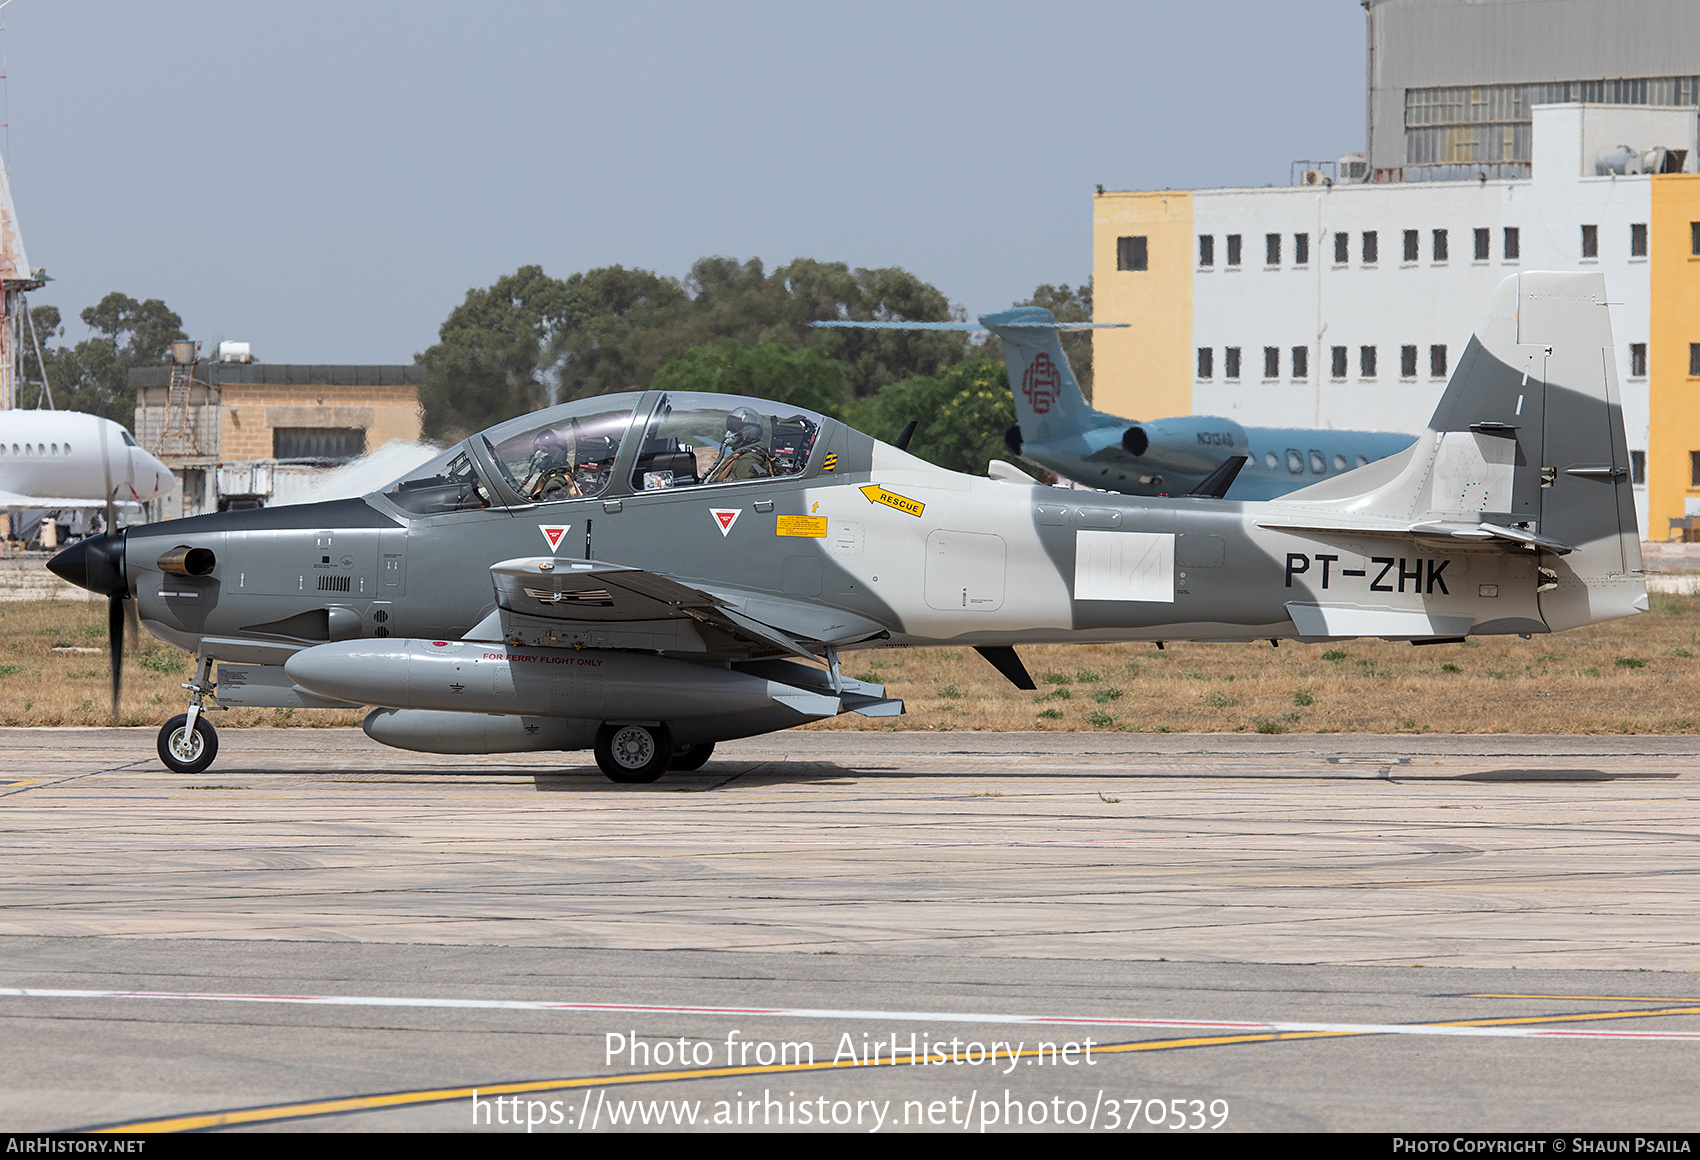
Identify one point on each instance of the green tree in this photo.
(805, 378)
(93, 376)
(962, 413)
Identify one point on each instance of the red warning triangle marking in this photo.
(724, 518)
(553, 533)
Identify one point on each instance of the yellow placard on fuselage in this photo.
(878, 494)
(813, 527)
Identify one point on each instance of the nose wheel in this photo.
(633, 754)
(188, 742)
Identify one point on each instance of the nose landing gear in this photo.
(188, 743)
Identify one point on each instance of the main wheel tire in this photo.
(184, 752)
(689, 757)
(633, 754)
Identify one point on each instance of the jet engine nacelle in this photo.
(1188, 445)
(461, 676)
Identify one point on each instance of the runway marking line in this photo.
(1511, 1026)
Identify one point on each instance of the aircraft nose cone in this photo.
(96, 564)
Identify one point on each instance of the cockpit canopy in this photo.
(672, 439)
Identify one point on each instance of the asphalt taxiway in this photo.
(1336, 932)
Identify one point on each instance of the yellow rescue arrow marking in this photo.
(878, 494)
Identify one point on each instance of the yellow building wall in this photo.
(1145, 371)
(1674, 401)
(251, 410)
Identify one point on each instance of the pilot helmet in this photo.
(743, 427)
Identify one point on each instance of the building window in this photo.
(1271, 362)
(1484, 239)
(1369, 248)
(329, 444)
(1638, 467)
(1301, 362)
(1342, 244)
(1638, 240)
(1301, 249)
(1130, 254)
(1694, 469)
(1694, 359)
(1637, 360)
(1230, 362)
(1366, 362)
(1271, 249)
(1440, 245)
(1437, 361)
(1590, 241)
(1407, 362)
(1410, 245)
(1206, 249)
(1206, 362)
(1338, 356)
(1513, 245)
(1694, 238)
(1233, 249)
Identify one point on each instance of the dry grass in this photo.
(1632, 676)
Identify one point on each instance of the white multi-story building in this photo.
(1346, 305)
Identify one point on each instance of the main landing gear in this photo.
(188, 742)
(638, 754)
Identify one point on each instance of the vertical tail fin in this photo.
(1527, 445)
(1048, 401)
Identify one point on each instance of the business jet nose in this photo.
(96, 564)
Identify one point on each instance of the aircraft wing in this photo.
(592, 594)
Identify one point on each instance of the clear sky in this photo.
(327, 180)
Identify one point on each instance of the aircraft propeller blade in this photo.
(115, 646)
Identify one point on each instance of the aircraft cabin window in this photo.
(1271, 460)
(566, 456)
(1339, 462)
(1295, 461)
(696, 439)
(1363, 461)
(1318, 465)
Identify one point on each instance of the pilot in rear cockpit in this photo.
(743, 453)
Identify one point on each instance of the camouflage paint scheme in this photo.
(1512, 514)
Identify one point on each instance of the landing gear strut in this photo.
(188, 743)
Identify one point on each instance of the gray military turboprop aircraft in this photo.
(1198, 455)
(649, 574)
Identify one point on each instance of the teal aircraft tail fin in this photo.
(1048, 400)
